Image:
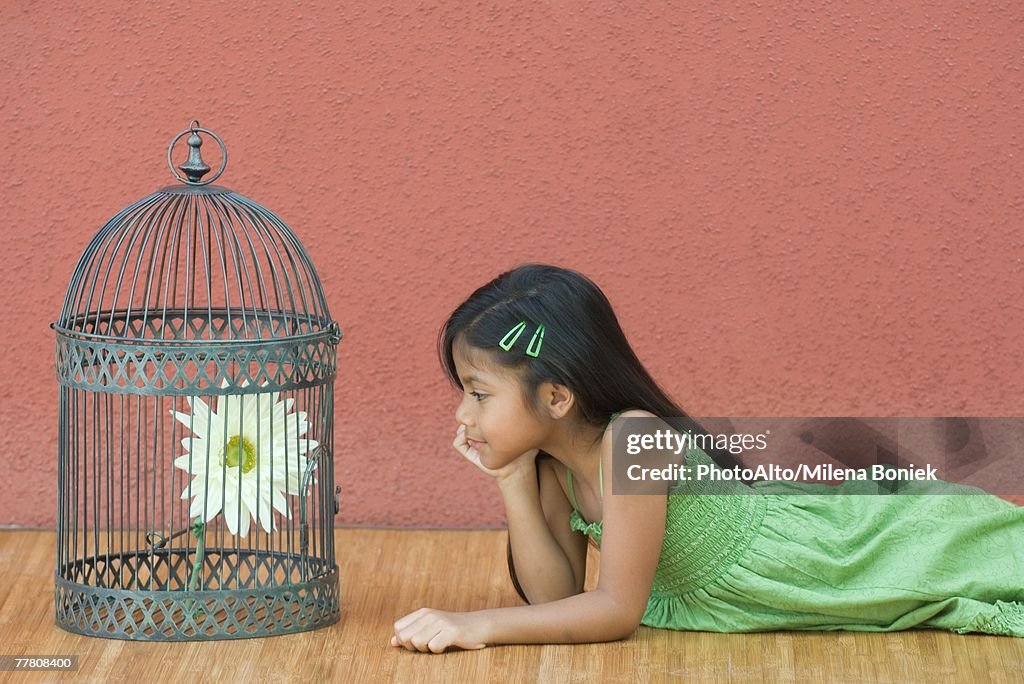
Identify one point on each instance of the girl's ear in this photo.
(557, 400)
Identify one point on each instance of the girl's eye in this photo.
(477, 396)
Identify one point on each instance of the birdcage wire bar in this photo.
(195, 346)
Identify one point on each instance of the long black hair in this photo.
(583, 346)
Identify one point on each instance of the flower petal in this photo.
(198, 507)
(231, 518)
(280, 503)
(194, 463)
(196, 445)
(214, 497)
(200, 415)
(229, 410)
(266, 516)
(267, 404)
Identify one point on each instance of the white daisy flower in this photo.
(244, 457)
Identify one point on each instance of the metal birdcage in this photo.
(196, 358)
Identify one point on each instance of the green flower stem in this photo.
(199, 531)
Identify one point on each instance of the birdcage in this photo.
(196, 359)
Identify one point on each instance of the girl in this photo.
(545, 370)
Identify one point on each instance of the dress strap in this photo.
(600, 473)
(572, 493)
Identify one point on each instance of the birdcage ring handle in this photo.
(194, 127)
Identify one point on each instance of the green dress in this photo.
(763, 557)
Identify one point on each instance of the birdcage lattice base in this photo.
(114, 605)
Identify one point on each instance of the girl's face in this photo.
(498, 424)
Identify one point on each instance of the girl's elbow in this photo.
(625, 629)
(612, 629)
(624, 620)
(620, 634)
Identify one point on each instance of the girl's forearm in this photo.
(583, 618)
(542, 568)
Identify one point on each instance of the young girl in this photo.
(546, 370)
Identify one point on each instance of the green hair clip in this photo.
(539, 340)
(510, 338)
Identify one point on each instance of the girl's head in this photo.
(583, 348)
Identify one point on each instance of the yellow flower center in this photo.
(239, 451)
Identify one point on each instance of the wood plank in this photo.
(388, 573)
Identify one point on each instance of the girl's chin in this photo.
(490, 461)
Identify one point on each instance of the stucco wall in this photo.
(797, 209)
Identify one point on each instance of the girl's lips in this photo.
(474, 443)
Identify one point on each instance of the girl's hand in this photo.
(522, 464)
(429, 630)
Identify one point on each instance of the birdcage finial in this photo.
(195, 168)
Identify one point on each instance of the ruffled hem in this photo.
(591, 529)
(672, 612)
(660, 612)
(1007, 619)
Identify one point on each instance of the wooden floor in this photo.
(388, 573)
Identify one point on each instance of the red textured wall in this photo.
(797, 209)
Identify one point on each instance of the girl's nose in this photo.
(461, 414)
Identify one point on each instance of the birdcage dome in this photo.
(196, 265)
(196, 357)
